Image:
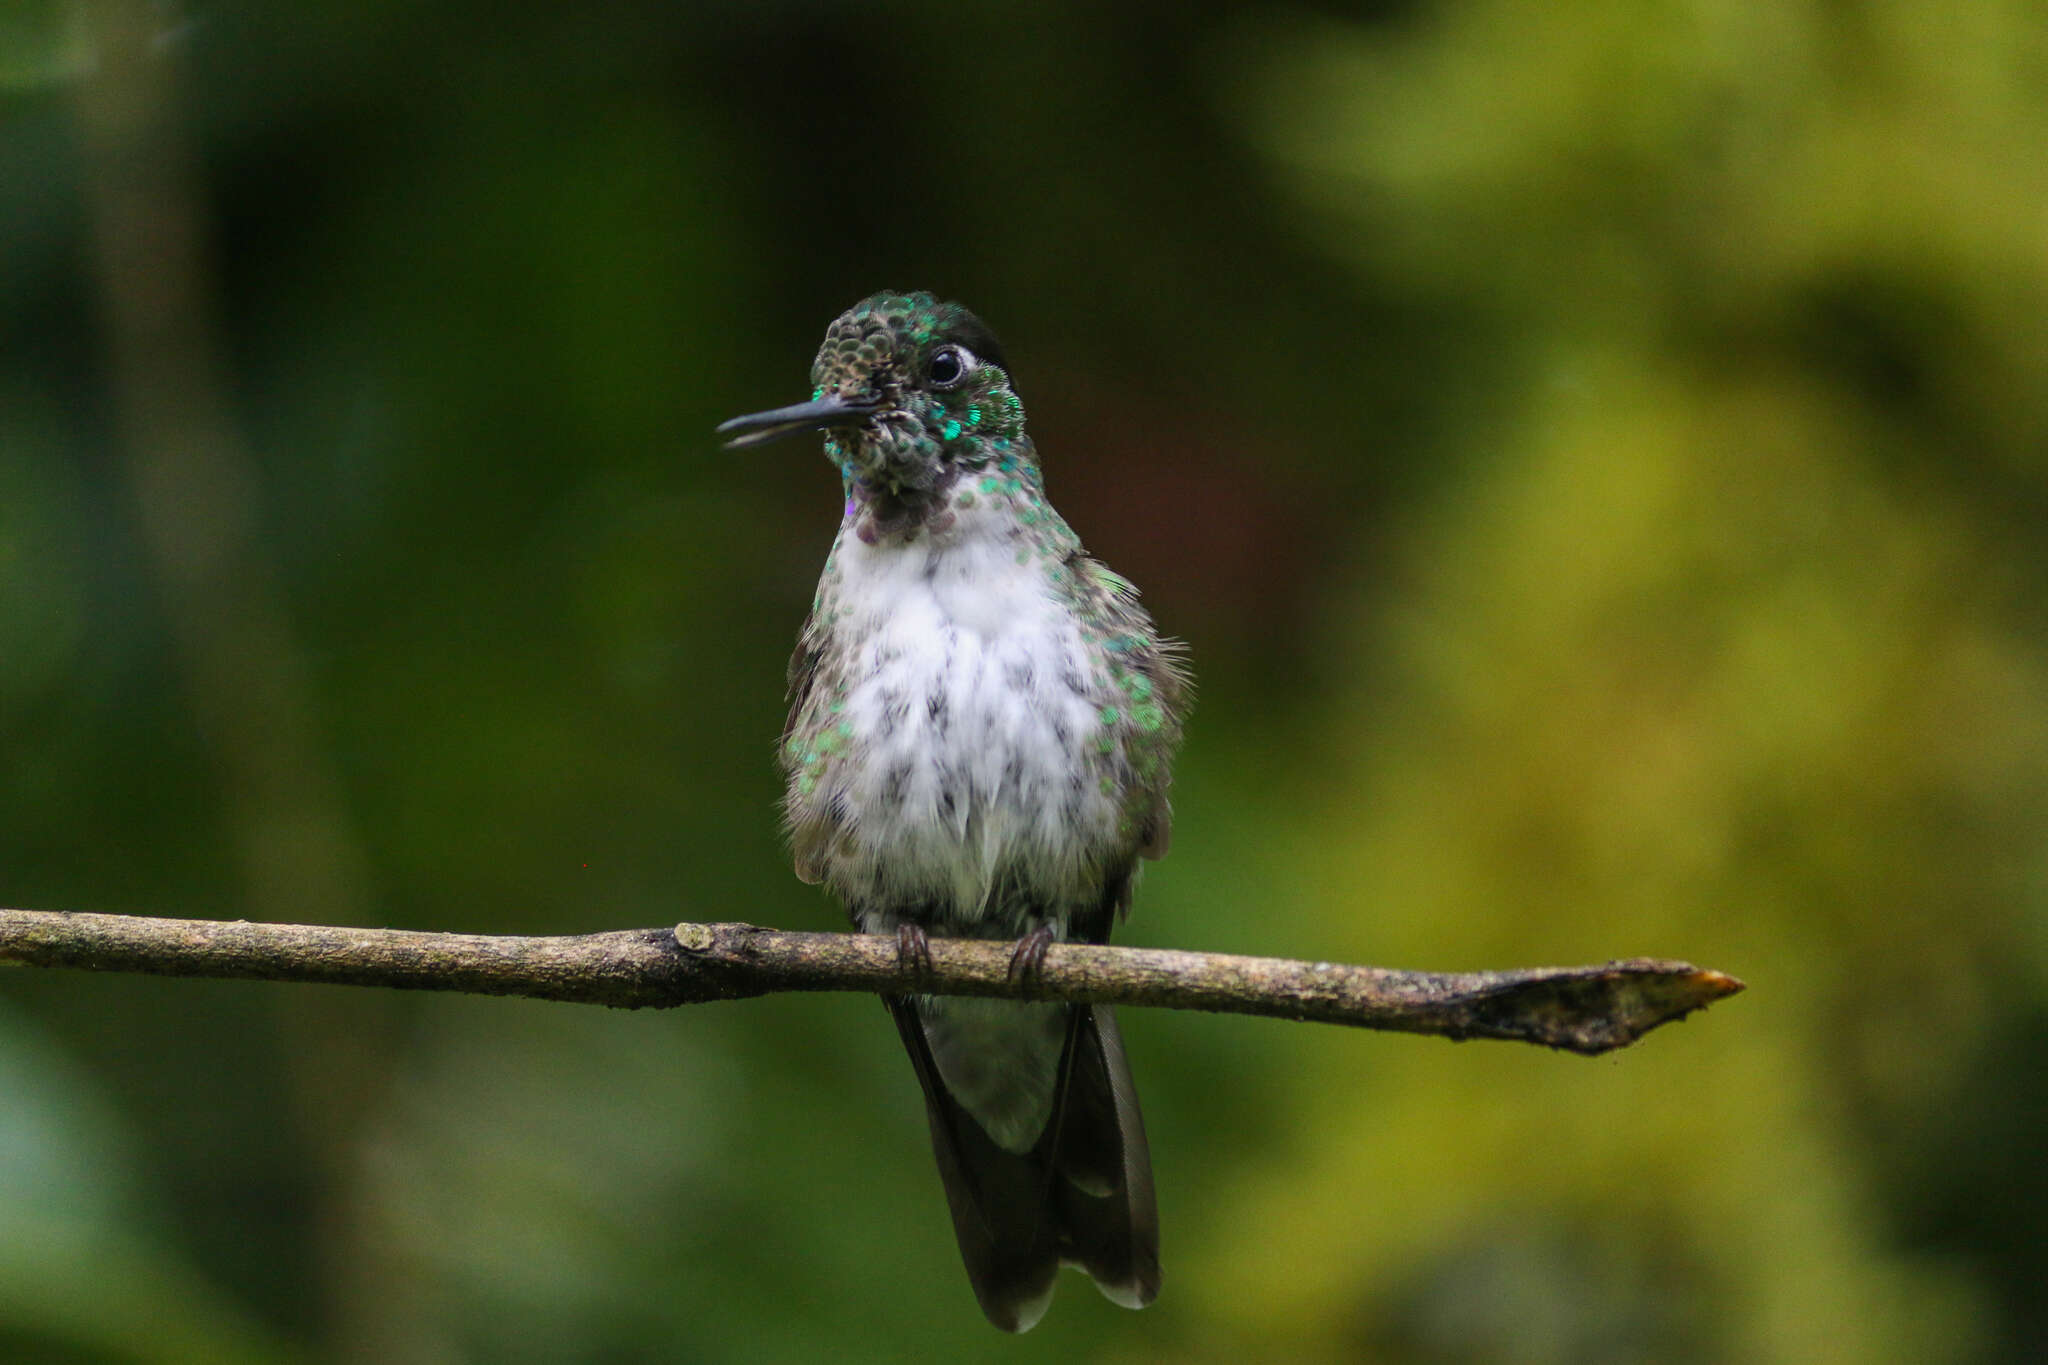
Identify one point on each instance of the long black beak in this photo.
(759, 428)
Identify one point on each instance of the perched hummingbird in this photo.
(981, 723)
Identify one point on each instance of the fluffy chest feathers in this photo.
(956, 752)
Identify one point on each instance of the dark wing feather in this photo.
(998, 1198)
(1083, 1195)
(806, 841)
(1104, 595)
(1109, 1221)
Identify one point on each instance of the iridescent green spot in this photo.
(1109, 715)
(1106, 742)
(813, 758)
(1027, 516)
(950, 431)
(1148, 716)
(1109, 786)
(838, 706)
(974, 417)
(1013, 487)
(845, 728)
(1138, 686)
(991, 484)
(806, 784)
(964, 500)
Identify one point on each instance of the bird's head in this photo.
(908, 390)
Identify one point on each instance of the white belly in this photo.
(971, 789)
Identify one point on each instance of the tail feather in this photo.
(1082, 1195)
(1109, 1220)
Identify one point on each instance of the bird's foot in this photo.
(914, 951)
(1027, 959)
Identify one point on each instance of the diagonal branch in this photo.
(1581, 1009)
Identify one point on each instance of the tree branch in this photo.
(1580, 1009)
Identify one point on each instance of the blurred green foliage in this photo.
(1597, 453)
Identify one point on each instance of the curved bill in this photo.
(759, 428)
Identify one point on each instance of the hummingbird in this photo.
(981, 725)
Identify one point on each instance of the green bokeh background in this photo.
(1598, 455)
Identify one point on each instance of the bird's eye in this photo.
(949, 365)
